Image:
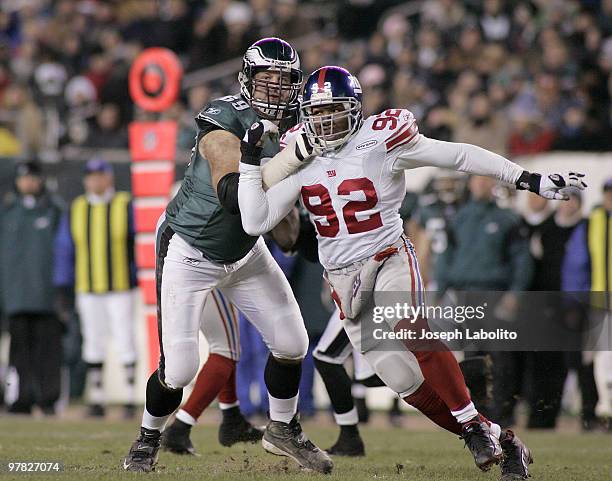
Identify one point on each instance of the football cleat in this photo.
(350, 445)
(96, 411)
(517, 457)
(288, 439)
(176, 438)
(144, 451)
(482, 443)
(236, 429)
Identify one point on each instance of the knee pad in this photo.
(399, 370)
(180, 365)
(290, 345)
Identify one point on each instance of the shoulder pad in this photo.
(393, 127)
(223, 113)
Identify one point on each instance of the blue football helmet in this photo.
(331, 107)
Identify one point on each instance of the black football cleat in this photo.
(517, 457)
(96, 411)
(348, 444)
(236, 429)
(143, 453)
(482, 443)
(176, 438)
(288, 439)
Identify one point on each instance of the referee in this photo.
(95, 254)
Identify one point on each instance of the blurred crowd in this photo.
(515, 77)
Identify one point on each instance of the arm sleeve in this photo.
(63, 269)
(576, 267)
(262, 211)
(461, 157)
(281, 165)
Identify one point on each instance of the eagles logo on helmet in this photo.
(272, 99)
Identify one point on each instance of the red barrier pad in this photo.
(146, 281)
(145, 251)
(152, 179)
(147, 212)
(153, 140)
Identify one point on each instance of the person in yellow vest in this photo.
(588, 267)
(95, 254)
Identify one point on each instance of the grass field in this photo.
(93, 450)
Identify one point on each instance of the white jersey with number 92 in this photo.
(352, 194)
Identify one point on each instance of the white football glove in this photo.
(550, 186)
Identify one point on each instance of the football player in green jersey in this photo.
(201, 246)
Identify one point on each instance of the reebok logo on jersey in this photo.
(190, 261)
(212, 111)
(331, 173)
(367, 144)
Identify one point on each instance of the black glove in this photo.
(251, 143)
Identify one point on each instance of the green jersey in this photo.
(195, 212)
(435, 219)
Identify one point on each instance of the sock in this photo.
(426, 400)
(94, 381)
(466, 414)
(338, 385)
(350, 418)
(283, 409)
(211, 379)
(161, 402)
(186, 418)
(227, 396)
(156, 423)
(283, 382)
(350, 430)
(439, 366)
(130, 374)
(495, 428)
(282, 377)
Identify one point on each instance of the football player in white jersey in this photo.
(352, 183)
